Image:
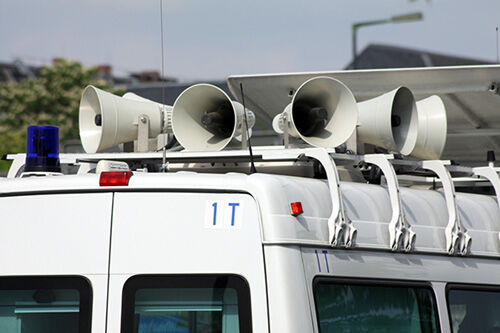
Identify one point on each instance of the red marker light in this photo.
(115, 178)
(296, 208)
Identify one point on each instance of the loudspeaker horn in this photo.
(106, 120)
(390, 121)
(134, 97)
(432, 128)
(166, 110)
(323, 113)
(204, 118)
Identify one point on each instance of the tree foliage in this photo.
(51, 99)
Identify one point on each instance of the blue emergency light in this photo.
(42, 151)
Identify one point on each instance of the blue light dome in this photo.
(42, 151)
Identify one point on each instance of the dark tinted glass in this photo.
(474, 310)
(191, 304)
(44, 305)
(356, 307)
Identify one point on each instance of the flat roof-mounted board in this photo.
(470, 94)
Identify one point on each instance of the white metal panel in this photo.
(400, 267)
(289, 307)
(55, 234)
(173, 233)
(59, 234)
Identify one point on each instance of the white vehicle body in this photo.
(163, 224)
(303, 245)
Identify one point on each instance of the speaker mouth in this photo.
(404, 121)
(324, 112)
(309, 119)
(90, 120)
(219, 120)
(204, 118)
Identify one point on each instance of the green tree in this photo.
(51, 99)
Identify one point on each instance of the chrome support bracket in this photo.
(401, 236)
(490, 174)
(458, 240)
(341, 232)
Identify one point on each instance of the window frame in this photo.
(79, 283)
(466, 287)
(373, 282)
(136, 282)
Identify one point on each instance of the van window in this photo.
(474, 309)
(357, 306)
(44, 305)
(190, 304)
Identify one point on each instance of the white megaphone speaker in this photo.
(166, 110)
(323, 113)
(135, 97)
(389, 121)
(204, 118)
(432, 127)
(107, 120)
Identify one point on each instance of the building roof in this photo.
(387, 56)
(14, 72)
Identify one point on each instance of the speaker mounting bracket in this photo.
(340, 228)
(142, 133)
(341, 231)
(490, 173)
(286, 138)
(400, 234)
(458, 240)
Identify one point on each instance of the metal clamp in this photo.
(340, 229)
(341, 232)
(400, 234)
(457, 238)
(491, 175)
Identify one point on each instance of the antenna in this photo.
(164, 149)
(252, 165)
(497, 42)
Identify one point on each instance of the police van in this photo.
(320, 234)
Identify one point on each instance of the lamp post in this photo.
(394, 19)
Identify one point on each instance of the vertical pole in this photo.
(354, 46)
(497, 42)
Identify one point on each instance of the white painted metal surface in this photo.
(58, 235)
(469, 93)
(162, 224)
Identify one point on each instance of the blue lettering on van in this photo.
(317, 259)
(325, 252)
(234, 205)
(215, 212)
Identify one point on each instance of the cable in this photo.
(252, 164)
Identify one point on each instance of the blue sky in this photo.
(213, 39)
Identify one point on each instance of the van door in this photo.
(54, 251)
(190, 262)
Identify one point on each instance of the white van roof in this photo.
(367, 206)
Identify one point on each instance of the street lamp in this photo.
(395, 19)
